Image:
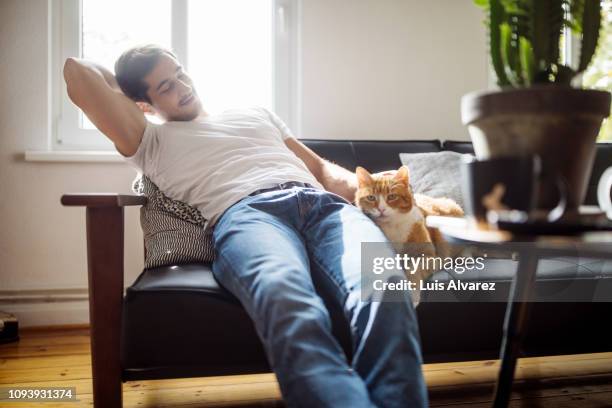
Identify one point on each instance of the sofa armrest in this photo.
(105, 224)
(102, 200)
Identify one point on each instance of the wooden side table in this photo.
(530, 249)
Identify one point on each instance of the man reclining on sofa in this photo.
(281, 221)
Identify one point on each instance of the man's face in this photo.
(171, 91)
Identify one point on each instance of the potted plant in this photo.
(537, 110)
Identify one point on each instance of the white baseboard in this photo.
(48, 314)
(46, 307)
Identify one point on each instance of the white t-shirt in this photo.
(214, 162)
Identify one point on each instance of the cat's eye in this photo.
(371, 198)
(391, 196)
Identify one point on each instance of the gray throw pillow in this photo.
(174, 232)
(435, 174)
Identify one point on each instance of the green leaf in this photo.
(524, 38)
(509, 55)
(496, 18)
(546, 28)
(576, 8)
(527, 60)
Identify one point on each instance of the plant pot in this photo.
(560, 124)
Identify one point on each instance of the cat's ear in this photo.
(402, 175)
(363, 176)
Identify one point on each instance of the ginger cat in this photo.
(387, 198)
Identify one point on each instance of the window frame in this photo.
(66, 41)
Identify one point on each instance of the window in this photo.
(599, 73)
(238, 52)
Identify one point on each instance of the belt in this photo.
(282, 186)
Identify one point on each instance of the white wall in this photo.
(42, 244)
(388, 69)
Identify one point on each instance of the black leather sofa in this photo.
(178, 322)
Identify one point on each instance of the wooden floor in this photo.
(59, 357)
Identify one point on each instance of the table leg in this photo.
(517, 315)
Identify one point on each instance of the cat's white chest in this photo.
(398, 229)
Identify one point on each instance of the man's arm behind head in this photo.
(94, 89)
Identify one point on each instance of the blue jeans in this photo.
(270, 250)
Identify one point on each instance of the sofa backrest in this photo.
(379, 155)
(374, 155)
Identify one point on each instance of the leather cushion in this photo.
(557, 280)
(184, 305)
(375, 156)
(459, 147)
(337, 151)
(180, 315)
(470, 331)
(176, 233)
(179, 322)
(378, 156)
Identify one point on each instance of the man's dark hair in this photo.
(135, 64)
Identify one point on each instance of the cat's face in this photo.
(384, 196)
